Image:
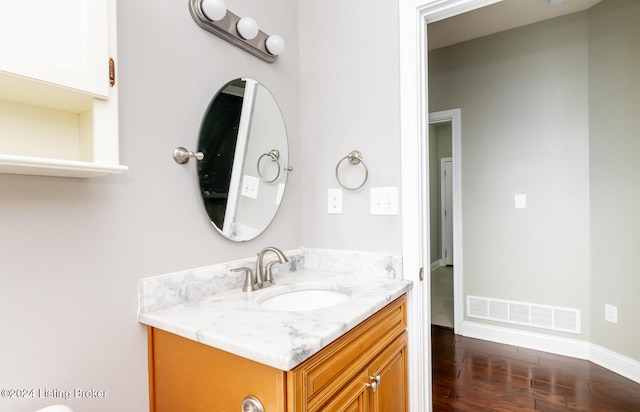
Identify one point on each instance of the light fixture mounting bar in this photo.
(226, 29)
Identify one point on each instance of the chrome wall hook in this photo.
(182, 155)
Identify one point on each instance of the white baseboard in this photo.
(622, 365)
(435, 265)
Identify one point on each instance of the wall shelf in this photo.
(28, 165)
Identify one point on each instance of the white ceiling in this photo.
(498, 17)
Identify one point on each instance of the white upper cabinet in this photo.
(62, 42)
(58, 108)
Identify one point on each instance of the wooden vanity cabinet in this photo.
(343, 373)
(390, 394)
(364, 370)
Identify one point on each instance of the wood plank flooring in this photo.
(475, 375)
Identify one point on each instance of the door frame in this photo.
(444, 194)
(413, 17)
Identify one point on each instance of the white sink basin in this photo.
(303, 297)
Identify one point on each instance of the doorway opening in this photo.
(441, 223)
(445, 213)
(414, 17)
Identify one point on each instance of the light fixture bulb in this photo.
(247, 28)
(214, 10)
(275, 44)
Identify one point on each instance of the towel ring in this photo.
(274, 155)
(355, 158)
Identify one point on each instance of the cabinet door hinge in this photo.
(112, 72)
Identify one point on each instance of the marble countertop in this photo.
(233, 321)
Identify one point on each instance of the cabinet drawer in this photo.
(317, 379)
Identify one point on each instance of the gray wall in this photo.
(349, 99)
(614, 150)
(73, 250)
(549, 110)
(524, 101)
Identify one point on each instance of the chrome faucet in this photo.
(264, 278)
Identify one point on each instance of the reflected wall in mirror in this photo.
(243, 173)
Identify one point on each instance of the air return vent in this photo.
(529, 314)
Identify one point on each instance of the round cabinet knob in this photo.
(375, 382)
(252, 404)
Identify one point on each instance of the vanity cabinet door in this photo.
(382, 387)
(390, 372)
(335, 377)
(353, 398)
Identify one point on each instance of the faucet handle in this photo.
(249, 280)
(269, 275)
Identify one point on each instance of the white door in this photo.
(446, 198)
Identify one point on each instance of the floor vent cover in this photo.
(529, 314)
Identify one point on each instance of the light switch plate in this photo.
(521, 201)
(250, 186)
(384, 200)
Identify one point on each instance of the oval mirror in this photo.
(246, 156)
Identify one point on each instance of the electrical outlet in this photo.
(334, 197)
(611, 313)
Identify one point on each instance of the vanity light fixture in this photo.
(213, 16)
(275, 44)
(247, 28)
(214, 10)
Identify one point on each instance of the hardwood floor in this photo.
(475, 375)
